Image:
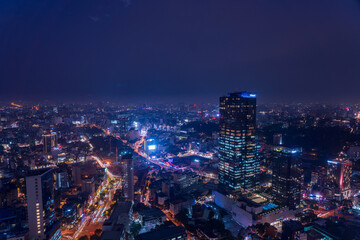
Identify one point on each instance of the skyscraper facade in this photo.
(49, 142)
(40, 205)
(239, 160)
(339, 179)
(127, 166)
(287, 177)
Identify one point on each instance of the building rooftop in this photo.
(38, 172)
(269, 206)
(151, 213)
(112, 235)
(339, 161)
(242, 94)
(162, 234)
(120, 214)
(257, 198)
(248, 201)
(181, 199)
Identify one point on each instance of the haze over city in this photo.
(179, 51)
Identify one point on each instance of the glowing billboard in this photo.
(151, 147)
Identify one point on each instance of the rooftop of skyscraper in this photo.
(39, 171)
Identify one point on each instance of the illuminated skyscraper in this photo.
(49, 141)
(239, 160)
(339, 179)
(287, 177)
(40, 205)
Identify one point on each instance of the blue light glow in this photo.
(248, 95)
(269, 206)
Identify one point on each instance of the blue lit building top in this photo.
(269, 206)
(248, 95)
(244, 94)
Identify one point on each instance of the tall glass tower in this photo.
(287, 177)
(239, 159)
(339, 172)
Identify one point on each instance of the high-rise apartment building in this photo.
(76, 171)
(127, 166)
(40, 205)
(49, 142)
(338, 179)
(239, 160)
(88, 185)
(287, 177)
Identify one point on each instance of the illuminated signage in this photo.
(248, 95)
(152, 147)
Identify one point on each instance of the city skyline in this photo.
(104, 171)
(186, 120)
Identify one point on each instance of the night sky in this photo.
(180, 50)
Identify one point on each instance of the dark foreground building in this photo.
(166, 233)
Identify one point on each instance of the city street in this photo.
(90, 221)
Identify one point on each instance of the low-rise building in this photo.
(149, 218)
(179, 203)
(117, 225)
(247, 212)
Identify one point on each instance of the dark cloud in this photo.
(190, 50)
